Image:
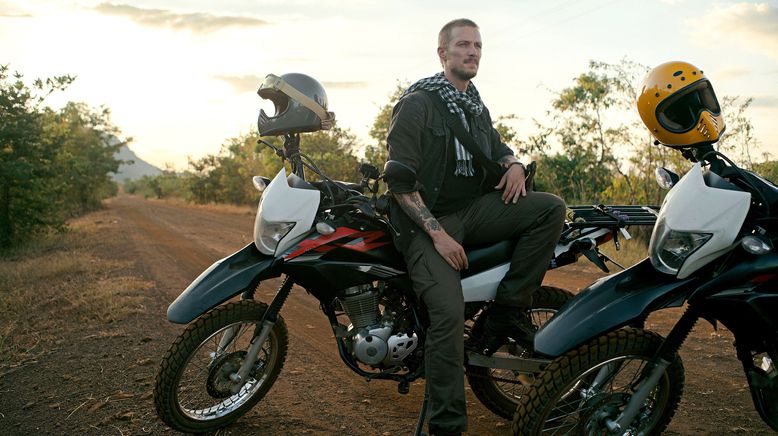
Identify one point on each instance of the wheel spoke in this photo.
(593, 384)
(193, 395)
(501, 390)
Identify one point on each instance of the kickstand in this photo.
(422, 415)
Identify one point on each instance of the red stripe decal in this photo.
(316, 242)
(364, 241)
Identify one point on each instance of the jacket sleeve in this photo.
(404, 142)
(498, 148)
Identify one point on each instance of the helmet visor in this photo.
(681, 112)
(269, 90)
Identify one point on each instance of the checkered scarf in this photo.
(455, 100)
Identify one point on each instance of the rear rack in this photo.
(586, 227)
(582, 220)
(611, 216)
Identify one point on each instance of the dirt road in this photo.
(99, 379)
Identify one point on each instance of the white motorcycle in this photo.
(711, 249)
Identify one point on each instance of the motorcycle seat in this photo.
(482, 257)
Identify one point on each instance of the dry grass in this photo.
(59, 284)
(213, 207)
(632, 251)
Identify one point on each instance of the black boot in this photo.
(503, 322)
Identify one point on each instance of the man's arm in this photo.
(449, 249)
(507, 160)
(512, 182)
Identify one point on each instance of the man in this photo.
(441, 204)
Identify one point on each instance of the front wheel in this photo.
(500, 389)
(194, 390)
(583, 389)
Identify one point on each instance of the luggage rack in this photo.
(586, 227)
(594, 217)
(586, 216)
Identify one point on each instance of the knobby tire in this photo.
(490, 386)
(200, 333)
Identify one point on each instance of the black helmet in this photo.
(300, 105)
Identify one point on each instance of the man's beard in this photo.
(462, 74)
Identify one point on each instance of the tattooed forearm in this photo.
(413, 206)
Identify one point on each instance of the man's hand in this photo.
(512, 184)
(449, 249)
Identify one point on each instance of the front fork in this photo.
(261, 333)
(654, 371)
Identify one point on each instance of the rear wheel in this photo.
(195, 391)
(500, 389)
(582, 390)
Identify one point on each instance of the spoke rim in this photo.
(190, 393)
(514, 384)
(574, 401)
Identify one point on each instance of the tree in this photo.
(584, 168)
(738, 140)
(28, 185)
(53, 164)
(226, 177)
(165, 185)
(607, 154)
(377, 153)
(86, 143)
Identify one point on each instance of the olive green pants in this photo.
(536, 222)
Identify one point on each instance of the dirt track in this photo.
(100, 380)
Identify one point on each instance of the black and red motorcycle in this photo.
(334, 242)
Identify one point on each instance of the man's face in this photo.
(463, 53)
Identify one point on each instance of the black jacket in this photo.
(420, 139)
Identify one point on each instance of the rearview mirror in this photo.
(665, 178)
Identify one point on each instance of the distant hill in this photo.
(134, 170)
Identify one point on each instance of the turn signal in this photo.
(756, 245)
(259, 183)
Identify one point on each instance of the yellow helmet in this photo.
(679, 107)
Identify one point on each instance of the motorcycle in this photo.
(712, 250)
(335, 242)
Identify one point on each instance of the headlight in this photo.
(670, 248)
(269, 234)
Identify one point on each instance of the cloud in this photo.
(344, 85)
(241, 84)
(765, 101)
(733, 73)
(196, 21)
(10, 10)
(752, 26)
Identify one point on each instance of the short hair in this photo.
(444, 36)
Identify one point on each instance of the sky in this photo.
(180, 77)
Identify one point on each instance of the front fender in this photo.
(221, 281)
(610, 303)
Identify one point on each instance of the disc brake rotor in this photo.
(219, 384)
(598, 409)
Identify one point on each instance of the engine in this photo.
(377, 336)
